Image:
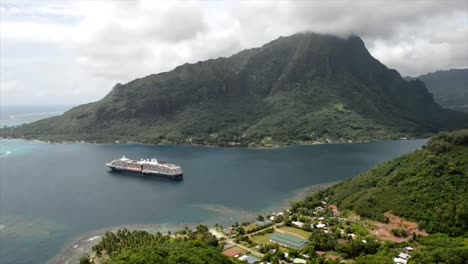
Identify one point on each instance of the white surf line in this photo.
(35, 114)
(5, 154)
(93, 238)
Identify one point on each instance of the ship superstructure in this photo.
(150, 167)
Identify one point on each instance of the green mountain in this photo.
(449, 87)
(429, 186)
(299, 89)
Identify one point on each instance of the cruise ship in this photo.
(148, 167)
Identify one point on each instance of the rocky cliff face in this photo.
(302, 88)
(450, 87)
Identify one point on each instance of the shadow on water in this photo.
(143, 178)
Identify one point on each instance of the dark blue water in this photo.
(50, 193)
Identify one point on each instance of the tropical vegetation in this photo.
(140, 247)
(449, 87)
(305, 88)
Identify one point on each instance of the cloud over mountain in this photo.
(110, 42)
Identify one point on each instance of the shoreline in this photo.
(212, 146)
(82, 243)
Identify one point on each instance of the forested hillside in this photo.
(449, 87)
(303, 88)
(429, 186)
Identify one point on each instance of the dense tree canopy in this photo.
(429, 186)
(140, 247)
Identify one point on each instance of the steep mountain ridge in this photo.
(450, 87)
(302, 88)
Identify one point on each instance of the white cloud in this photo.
(95, 44)
(26, 31)
(151, 37)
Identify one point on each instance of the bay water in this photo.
(52, 193)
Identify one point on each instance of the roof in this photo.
(400, 261)
(291, 241)
(298, 223)
(231, 253)
(298, 260)
(263, 223)
(249, 259)
(404, 256)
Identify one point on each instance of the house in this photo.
(228, 231)
(400, 261)
(216, 233)
(403, 256)
(249, 259)
(321, 218)
(408, 249)
(298, 260)
(298, 224)
(263, 223)
(288, 241)
(272, 218)
(334, 209)
(320, 225)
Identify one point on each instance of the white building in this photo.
(298, 224)
(400, 261)
(299, 260)
(320, 225)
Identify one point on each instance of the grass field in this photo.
(262, 239)
(250, 227)
(302, 233)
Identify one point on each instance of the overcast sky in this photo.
(71, 52)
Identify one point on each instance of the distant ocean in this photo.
(14, 115)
